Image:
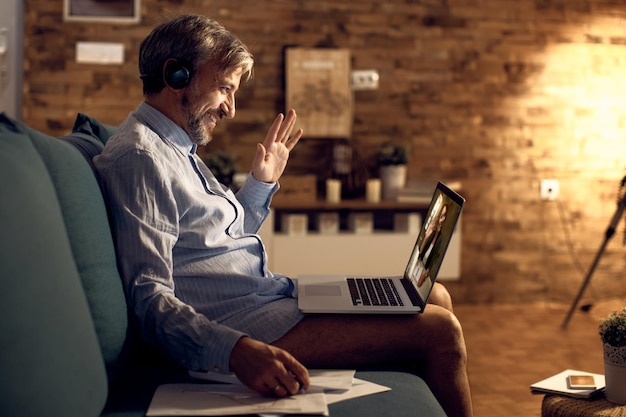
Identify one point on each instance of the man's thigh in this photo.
(334, 340)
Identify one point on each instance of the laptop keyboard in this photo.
(374, 292)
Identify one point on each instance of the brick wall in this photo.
(495, 93)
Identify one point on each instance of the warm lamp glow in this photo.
(584, 86)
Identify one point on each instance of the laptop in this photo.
(405, 294)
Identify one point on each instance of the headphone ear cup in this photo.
(176, 75)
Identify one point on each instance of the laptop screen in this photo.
(433, 239)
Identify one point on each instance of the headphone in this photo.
(176, 74)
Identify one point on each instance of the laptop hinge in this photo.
(411, 292)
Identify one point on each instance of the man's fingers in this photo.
(300, 374)
(274, 130)
(288, 377)
(281, 129)
(277, 390)
(287, 126)
(286, 385)
(296, 375)
(293, 141)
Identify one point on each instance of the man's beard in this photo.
(197, 130)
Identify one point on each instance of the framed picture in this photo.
(318, 88)
(111, 11)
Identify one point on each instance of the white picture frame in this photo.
(105, 11)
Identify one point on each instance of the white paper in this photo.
(327, 379)
(327, 387)
(360, 388)
(221, 400)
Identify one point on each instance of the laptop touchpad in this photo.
(323, 290)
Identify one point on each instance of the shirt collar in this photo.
(165, 128)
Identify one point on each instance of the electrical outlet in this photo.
(549, 189)
(364, 79)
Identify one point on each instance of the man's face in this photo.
(209, 98)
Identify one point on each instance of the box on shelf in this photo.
(328, 223)
(361, 223)
(421, 191)
(407, 222)
(296, 188)
(295, 224)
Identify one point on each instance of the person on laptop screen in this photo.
(195, 271)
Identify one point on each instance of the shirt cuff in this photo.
(222, 347)
(256, 191)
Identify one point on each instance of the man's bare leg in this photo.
(440, 296)
(433, 341)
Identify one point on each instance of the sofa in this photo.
(68, 346)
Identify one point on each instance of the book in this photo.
(558, 385)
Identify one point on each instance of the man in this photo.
(194, 269)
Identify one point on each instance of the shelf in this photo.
(383, 213)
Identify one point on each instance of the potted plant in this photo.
(392, 159)
(613, 334)
(222, 165)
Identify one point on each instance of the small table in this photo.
(560, 406)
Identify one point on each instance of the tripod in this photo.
(610, 231)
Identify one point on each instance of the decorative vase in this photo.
(393, 180)
(615, 373)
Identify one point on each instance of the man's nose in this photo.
(228, 108)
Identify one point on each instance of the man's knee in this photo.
(440, 296)
(446, 333)
(453, 335)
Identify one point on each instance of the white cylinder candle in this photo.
(333, 190)
(372, 191)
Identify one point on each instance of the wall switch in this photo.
(99, 53)
(364, 79)
(549, 189)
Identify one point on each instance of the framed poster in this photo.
(318, 88)
(111, 11)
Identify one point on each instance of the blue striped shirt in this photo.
(194, 269)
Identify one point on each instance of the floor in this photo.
(512, 346)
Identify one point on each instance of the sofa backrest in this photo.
(89, 137)
(86, 221)
(51, 360)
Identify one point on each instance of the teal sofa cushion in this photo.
(91, 126)
(409, 396)
(50, 358)
(89, 137)
(87, 225)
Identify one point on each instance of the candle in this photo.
(372, 191)
(333, 191)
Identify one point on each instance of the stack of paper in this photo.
(557, 384)
(327, 387)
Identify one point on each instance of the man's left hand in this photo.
(271, 156)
